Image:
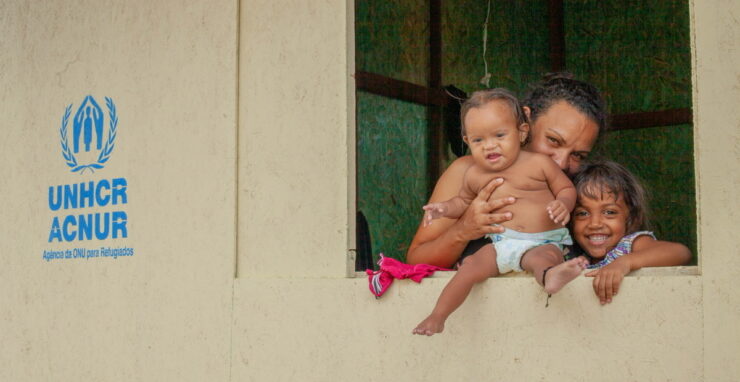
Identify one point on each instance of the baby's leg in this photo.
(548, 256)
(474, 269)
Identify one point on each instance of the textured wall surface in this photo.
(717, 59)
(161, 314)
(174, 310)
(654, 331)
(503, 332)
(294, 102)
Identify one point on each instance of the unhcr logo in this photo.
(90, 148)
(94, 209)
(88, 226)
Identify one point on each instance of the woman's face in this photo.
(564, 134)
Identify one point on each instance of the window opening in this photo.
(407, 50)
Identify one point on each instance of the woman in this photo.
(566, 118)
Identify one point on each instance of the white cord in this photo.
(486, 80)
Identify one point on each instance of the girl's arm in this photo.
(646, 252)
(442, 243)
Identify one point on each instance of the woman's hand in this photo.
(478, 219)
(442, 243)
(608, 279)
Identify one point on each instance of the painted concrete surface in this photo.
(163, 313)
(656, 331)
(334, 329)
(294, 123)
(166, 312)
(717, 96)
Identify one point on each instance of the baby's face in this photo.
(493, 136)
(599, 224)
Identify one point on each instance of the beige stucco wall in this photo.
(164, 313)
(716, 100)
(293, 139)
(294, 319)
(275, 210)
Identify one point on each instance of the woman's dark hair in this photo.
(606, 177)
(561, 86)
(482, 97)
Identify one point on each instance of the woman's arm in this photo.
(646, 252)
(442, 243)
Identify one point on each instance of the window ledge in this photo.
(692, 270)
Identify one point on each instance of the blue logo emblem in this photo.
(88, 138)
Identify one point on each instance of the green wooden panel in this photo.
(516, 49)
(392, 38)
(392, 157)
(638, 53)
(663, 159)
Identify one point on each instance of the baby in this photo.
(495, 129)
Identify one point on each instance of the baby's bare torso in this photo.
(523, 180)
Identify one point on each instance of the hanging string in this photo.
(485, 81)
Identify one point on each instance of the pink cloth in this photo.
(391, 269)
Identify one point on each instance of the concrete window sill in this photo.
(651, 271)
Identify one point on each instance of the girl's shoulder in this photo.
(625, 244)
(629, 240)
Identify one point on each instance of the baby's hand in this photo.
(558, 212)
(433, 211)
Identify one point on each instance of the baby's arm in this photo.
(563, 190)
(453, 208)
(646, 252)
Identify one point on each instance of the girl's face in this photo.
(599, 224)
(564, 134)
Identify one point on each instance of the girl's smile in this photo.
(597, 239)
(599, 224)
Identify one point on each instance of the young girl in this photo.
(494, 127)
(609, 223)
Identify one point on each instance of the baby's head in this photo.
(611, 204)
(495, 128)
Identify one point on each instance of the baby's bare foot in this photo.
(430, 326)
(561, 274)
